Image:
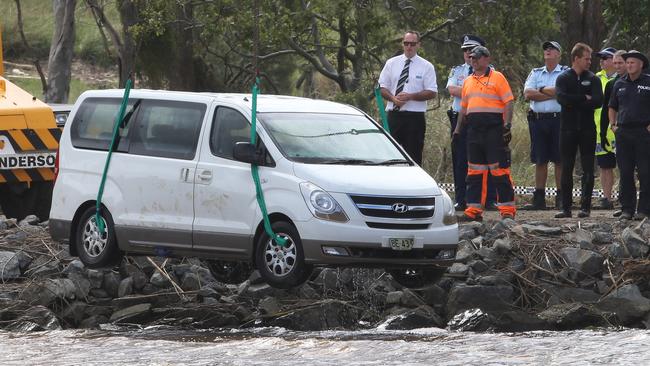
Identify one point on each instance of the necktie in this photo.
(403, 77)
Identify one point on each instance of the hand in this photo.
(454, 137)
(398, 102)
(507, 136)
(588, 97)
(404, 96)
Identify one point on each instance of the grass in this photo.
(33, 86)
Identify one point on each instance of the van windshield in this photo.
(323, 138)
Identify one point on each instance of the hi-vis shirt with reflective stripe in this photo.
(486, 94)
(27, 155)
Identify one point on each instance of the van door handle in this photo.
(205, 176)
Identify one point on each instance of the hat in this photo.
(553, 44)
(479, 51)
(606, 52)
(636, 54)
(471, 41)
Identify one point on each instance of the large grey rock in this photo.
(627, 303)
(132, 314)
(45, 292)
(478, 266)
(24, 260)
(465, 251)
(616, 250)
(81, 283)
(112, 283)
(487, 298)
(571, 316)
(269, 306)
(421, 317)
(636, 245)
(76, 266)
(477, 320)
(323, 315)
(502, 246)
(582, 237)
(393, 297)
(470, 230)
(18, 237)
(125, 288)
(328, 278)
(74, 313)
(489, 255)
(409, 299)
(96, 278)
(570, 295)
(584, 261)
(458, 269)
(29, 220)
(138, 276)
(541, 230)
(191, 282)
(157, 300)
(34, 319)
(9, 266)
(204, 274)
(160, 280)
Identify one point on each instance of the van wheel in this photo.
(95, 248)
(230, 272)
(282, 267)
(416, 277)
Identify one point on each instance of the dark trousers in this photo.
(486, 152)
(408, 128)
(572, 141)
(459, 164)
(633, 153)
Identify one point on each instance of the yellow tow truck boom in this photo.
(29, 139)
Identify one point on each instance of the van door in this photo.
(224, 195)
(156, 176)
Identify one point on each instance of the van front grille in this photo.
(395, 207)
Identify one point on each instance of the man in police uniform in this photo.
(605, 155)
(459, 145)
(544, 123)
(407, 81)
(629, 116)
(486, 107)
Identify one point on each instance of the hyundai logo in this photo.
(400, 207)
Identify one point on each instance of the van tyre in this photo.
(282, 267)
(96, 249)
(230, 272)
(417, 277)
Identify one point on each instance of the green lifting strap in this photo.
(116, 130)
(382, 108)
(256, 177)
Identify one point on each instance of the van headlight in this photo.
(449, 213)
(321, 204)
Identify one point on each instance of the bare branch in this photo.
(24, 39)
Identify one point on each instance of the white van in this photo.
(336, 186)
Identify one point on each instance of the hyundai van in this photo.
(336, 185)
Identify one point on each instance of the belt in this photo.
(401, 111)
(545, 115)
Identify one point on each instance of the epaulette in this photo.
(538, 68)
(564, 67)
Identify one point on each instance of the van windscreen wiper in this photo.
(394, 162)
(347, 162)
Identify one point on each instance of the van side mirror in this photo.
(248, 153)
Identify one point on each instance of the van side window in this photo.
(167, 129)
(93, 123)
(229, 127)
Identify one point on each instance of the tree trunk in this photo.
(129, 15)
(61, 51)
(586, 23)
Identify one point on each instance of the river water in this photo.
(276, 346)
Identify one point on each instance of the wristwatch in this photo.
(541, 90)
(507, 126)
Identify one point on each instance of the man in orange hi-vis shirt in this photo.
(486, 108)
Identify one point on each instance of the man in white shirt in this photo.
(407, 81)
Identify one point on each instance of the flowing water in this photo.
(276, 346)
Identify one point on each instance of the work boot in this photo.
(606, 204)
(583, 213)
(639, 216)
(625, 216)
(539, 201)
(617, 213)
(465, 218)
(558, 199)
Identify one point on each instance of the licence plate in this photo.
(401, 243)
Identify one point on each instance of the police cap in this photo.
(636, 54)
(471, 41)
(606, 52)
(551, 44)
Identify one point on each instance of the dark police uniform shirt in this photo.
(570, 91)
(631, 99)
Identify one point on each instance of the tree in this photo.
(61, 52)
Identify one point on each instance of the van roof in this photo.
(266, 103)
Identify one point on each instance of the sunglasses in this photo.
(467, 50)
(412, 44)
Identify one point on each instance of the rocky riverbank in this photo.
(509, 276)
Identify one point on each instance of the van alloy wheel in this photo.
(94, 241)
(280, 260)
(95, 248)
(282, 266)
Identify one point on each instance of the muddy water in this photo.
(274, 346)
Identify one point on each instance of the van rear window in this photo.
(92, 127)
(151, 127)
